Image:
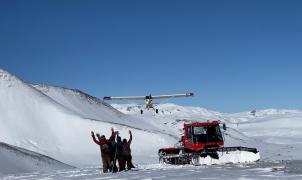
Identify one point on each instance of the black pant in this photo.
(128, 159)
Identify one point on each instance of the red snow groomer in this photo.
(200, 139)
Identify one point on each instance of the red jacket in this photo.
(104, 145)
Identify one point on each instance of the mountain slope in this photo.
(60, 127)
(18, 160)
(79, 102)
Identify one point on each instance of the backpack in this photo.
(112, 148)
(126, 148)
(105, 148)
(119, 148)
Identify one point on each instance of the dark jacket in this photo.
(119, 146)
(126, 146)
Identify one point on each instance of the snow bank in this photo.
(231, 157)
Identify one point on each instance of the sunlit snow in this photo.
(55, 123)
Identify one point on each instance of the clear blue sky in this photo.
(234, 55)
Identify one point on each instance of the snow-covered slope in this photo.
(15, 159)
(277, 132)
(172, 111)
(59, 127)
(170, 117)
(81, 103)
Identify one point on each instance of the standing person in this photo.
(113, 155)
(105, 149)
(120, 153)
(127, 151)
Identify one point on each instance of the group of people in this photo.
(114, 149)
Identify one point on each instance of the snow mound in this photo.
(230, 157)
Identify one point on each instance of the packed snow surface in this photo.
(268, 171)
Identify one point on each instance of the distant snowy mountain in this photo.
(15, 159)
(171, 110)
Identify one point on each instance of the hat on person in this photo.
(102, 137)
